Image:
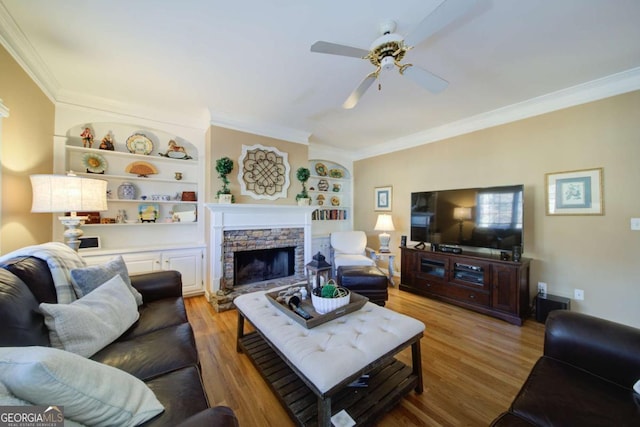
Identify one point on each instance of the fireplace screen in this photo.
(263, 264)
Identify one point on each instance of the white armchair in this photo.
(349, 248)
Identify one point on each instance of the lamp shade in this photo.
(384, 223)
(68, 193)
(462, 214)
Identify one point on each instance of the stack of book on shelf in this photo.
(329, 214)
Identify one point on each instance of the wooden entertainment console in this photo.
(486, 285)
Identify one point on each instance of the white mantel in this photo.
(243, 216)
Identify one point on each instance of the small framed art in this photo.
(578, 192)
(383, 198)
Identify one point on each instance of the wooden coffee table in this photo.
(311, 370)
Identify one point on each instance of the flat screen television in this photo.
(477, 217)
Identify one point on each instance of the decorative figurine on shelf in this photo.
(87, 137)
(107, 143)
(176, 151)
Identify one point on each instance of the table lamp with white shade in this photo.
(69, 193)
(384, 224)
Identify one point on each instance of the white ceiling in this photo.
(248, 63)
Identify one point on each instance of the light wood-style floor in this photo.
(473, 365)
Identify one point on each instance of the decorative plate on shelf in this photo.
(321, 169)
(94, 163)
(336, 173)
(139, 144)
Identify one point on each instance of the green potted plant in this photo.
(224, 166)
(303, 175)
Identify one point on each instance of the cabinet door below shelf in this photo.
(137, 263)
(189, 263)
(505, 288)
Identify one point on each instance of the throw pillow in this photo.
(87, 325)
(85, 280)
(91, 393)
(8, 399)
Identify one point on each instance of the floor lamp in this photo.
(69, 193)
(384, 224)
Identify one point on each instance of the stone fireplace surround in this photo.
(235, 241)
(254, 219)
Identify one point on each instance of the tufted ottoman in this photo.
(368, 281)
(312, 370)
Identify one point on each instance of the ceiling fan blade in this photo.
(444, 14)
(338, 49)
(355, 96)
(424, 78)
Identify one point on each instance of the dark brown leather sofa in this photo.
(584, 378)
(159, 348)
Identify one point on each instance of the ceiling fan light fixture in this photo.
(387, 63)
(389, 49)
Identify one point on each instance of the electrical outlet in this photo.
(542, 287)
(635, 224)
(578, 294)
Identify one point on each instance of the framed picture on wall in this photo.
(578, 192)
(383, 198)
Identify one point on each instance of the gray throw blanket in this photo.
(61, 260)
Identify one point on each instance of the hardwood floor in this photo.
(473, 365)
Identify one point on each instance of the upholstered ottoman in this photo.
(365, 280)
(311, 370)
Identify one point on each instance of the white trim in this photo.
(615, 84)
(90, 102)
(264, 129)
(16, 43)
(252, 216)
(4, 110)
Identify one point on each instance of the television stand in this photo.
(487, 285)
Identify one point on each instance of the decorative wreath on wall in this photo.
(263, 172)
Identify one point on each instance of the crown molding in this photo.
(325, 151)
(259, 128)
(14, 40)
(4, 110)
(195, 121)
(615, 84)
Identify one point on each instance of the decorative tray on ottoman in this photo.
(356, 302)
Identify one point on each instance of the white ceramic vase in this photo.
(126, 191)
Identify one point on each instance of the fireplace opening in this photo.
(263, 264)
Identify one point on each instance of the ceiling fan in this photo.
(388, 50)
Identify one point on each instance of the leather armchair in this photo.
(348, 248)
(584, 378)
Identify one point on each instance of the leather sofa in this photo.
(159, 348)
(584, 378)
